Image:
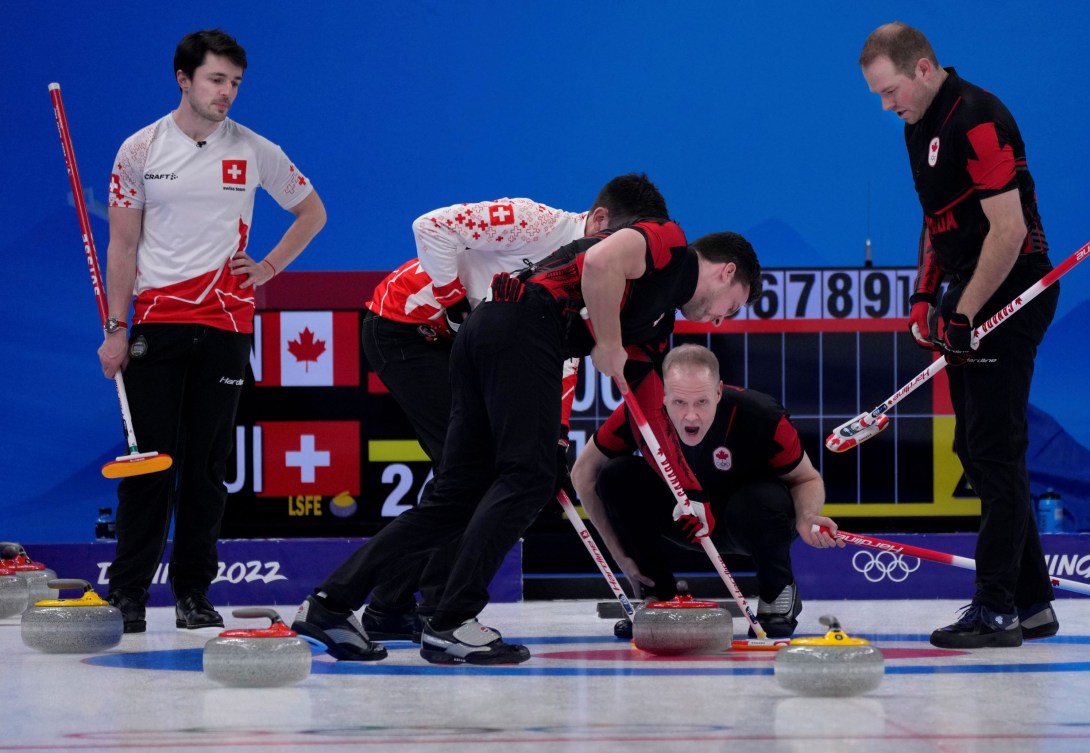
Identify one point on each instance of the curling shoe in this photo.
(132, 611)
(340, 632)
(381, 625)
(779, 617)
(980, 627)
(1038, 621)
(194, 611)
(469, 643)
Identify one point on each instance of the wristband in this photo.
(266, 261)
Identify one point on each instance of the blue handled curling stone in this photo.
(833, 665)
(257, 658)
(682, 625)
(14, 595)
(85, 625)
(35, 574)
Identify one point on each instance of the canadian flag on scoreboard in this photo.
(309, 457)
(310, 349)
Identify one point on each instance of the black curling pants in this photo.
(990, 395)
(757, 519)
(415, 367)
(183, 383)
(499, 460)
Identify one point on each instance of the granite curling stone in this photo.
(833, 665)
(35, 574)
(14, 595)
(259, 657)
(682, 625)
(85, 625)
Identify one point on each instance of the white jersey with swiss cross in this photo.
(462, 247)
(197, 200)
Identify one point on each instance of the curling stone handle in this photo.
(248, 613)
(830, 622)
(65, 584)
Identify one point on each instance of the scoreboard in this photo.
(323, 450)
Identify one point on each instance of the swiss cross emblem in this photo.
(501, 214)
(721, 459)
(234, 171)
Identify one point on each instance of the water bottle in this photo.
(105, 527)
(1050, 512)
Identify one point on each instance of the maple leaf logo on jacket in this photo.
(306, 348)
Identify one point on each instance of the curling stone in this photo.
(72, 626)
(35, 574)
(257, 658)
(831, 665)
(14, 594)
(682, 625)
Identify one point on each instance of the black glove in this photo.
(958, 342)
(457, 313)
(506, 288)
(563, 474)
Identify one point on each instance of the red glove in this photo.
(696, 524)
(919, 320)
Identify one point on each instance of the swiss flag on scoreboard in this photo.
(310, 349)
(309, 457)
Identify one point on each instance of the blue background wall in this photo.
(756, 120)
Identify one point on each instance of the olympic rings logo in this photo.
(876, 567)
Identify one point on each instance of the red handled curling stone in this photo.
(682, 625)
(85, 625)
(35, 574)
(257, 658)
(831, 665)
(14, 595)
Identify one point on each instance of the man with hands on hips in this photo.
(181, 203)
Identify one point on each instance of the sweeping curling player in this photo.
(134, 463)
(866, 425)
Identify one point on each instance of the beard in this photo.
(698, 309)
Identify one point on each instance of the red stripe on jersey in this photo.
(214, 299)
(787, 439)
(662, 242)
(243, 235)
(993, 169)
(405, 295)
(449, 294)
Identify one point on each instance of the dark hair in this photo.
(901, 43)
(191, 50)
(731, 247)
(631, 197)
